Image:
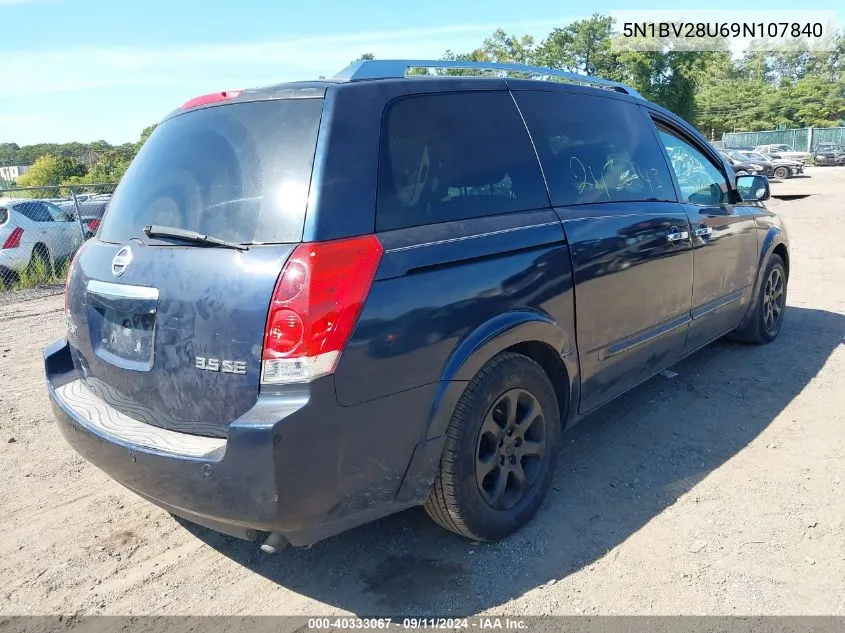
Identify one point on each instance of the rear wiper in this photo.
(154, 230)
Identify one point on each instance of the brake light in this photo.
(214, 97)
(14, 239)
(93, 225)
(69, 274)
(315, 305)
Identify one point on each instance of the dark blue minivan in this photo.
(314, 304)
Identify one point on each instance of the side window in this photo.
(453, 156)
(35, 211)
(595, 149)
(700, 180)
(56, 214)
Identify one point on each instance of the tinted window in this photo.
(4, 215)
(35, 211)
(595, 149)
(700, 180)
(240, 172)
(455, 156)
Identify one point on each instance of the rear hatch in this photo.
(168, 330)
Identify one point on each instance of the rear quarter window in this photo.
(595, 149)
(454, 156)
(4, 215)
(240, 172)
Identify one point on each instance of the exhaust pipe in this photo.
(274, 544)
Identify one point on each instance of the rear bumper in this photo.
(14, 258)
(297, 463)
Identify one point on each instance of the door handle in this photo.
(677, 236)
(703, 231)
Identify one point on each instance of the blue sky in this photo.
(81, 70)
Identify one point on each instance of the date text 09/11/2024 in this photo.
(482, 623)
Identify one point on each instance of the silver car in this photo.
(32, 230)
(782, 150)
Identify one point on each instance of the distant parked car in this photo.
(782, 150)
(740, 148)
(91, 213)
(741, 163)
(829, 154)
(33, 231)
(779, 168)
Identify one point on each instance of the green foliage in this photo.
(50, 170)
(717, 93)
(39, 273)
(582, 46)
(70, 163)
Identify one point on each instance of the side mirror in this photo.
(753, 187)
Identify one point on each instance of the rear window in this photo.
(240, 172)
(595, 149)
(454, 156)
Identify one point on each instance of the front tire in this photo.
(500, 453)
(781, 173)
(765, 322)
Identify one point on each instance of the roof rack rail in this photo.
(397, 68)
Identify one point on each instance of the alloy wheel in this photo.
(773, 300)
(510, 450)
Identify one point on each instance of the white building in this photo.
(12, 172)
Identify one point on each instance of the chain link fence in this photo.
(801, 139)
(41, 228)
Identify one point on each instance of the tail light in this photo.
(315, 305)
(14, 239)
(69, 274)
(93, 225)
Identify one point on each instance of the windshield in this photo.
(239, 172)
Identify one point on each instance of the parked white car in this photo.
(782, 150)
(32, 230)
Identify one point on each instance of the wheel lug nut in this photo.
(513, 459)
(502, 460)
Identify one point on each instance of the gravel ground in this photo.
(719, 491)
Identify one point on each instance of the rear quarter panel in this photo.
(429, 298)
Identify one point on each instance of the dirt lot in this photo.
(719, 491)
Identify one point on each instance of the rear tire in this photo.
(765, 322)
(500, 453)
(41, 256)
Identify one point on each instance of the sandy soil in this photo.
(719, 491)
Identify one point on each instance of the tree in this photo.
(504, 48)
(50, 170)
(583, 47)
(364, 57)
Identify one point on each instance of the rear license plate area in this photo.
(122, 330)
(121, 338)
